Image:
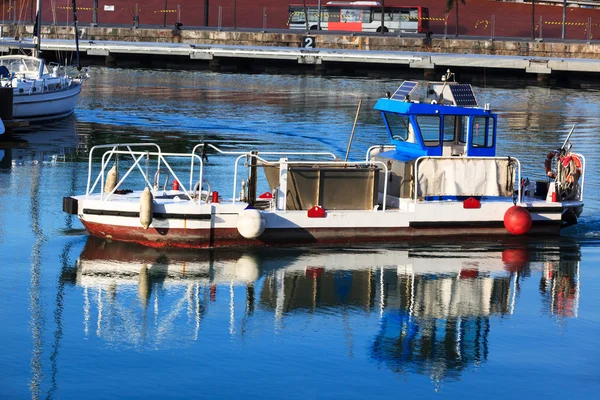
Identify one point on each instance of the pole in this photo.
(205, 12)
(382, 16)
(319, 17)
(456, 18)
(95, 14)
(165, 14)
(353, 128)
(74, 5)
(234, 14)
(305, 14)
(532, 19)
(564, 17)
(37, 28)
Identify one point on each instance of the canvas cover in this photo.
(461, 176)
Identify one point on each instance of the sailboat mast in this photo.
(37, 28)
(74, 5)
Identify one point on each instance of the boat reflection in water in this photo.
(433, 304)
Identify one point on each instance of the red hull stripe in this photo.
(230, 237)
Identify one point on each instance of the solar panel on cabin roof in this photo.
(463, 95)
(404, 90)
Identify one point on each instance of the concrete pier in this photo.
(386, 55)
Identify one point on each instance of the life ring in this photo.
(572, 174)
(548, 164)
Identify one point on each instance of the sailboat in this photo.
(41, 91)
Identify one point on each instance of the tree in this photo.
(449, 6)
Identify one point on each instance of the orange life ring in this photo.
(548, 164)
(573, 174)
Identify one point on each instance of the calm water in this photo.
(82, 318)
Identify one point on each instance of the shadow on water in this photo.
(433, 301)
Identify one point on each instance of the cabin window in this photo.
(399, 126)
(429, 125)
(483, 132)
(455, 125)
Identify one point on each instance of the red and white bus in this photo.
(359, 16)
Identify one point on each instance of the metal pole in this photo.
(382, 16)
(234, 14)
(564, 17)
(532, 19)
(205, 12)
(165, 15)
(95, 14)
(353, 128)
(589, 35)
(541, 25)
(38, 28)
(74, 4)
(319, 17)
(305, 14)
(264, 19)
(220, 17)
(493, 25)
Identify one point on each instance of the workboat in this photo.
(439, 175)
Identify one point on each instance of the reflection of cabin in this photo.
(469, 293)
(320, 288)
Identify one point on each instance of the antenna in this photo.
(568, 137)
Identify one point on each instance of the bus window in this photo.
(429, 125)
(399, 127)
(483, 132)
(333, 14)
(351, 15)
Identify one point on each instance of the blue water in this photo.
(83, 318)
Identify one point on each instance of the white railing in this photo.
(137, 157)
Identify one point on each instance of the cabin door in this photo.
(481, 136)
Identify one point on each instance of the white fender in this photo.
(251, 223)
(146, 201)
(111, 179)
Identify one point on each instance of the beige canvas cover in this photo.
(462, 176)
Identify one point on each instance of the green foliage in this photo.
(450, 4)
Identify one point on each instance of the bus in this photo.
(359, 16)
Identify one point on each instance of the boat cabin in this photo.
(446, 121)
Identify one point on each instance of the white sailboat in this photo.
(40, 91)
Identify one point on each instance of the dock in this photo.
(304, 52)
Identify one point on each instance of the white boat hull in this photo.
(48, 105)
(187, 225)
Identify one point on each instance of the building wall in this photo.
(510, 19)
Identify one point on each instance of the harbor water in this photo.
(477, 318)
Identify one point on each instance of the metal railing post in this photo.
(219, 22)
(493, 25)
(264, 19)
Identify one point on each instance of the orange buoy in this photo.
(517, 220)
(175, 184)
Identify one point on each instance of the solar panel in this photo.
(404, 90)
(463, 95)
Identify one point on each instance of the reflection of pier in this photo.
(434, 307)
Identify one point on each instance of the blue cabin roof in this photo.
(446, 122)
